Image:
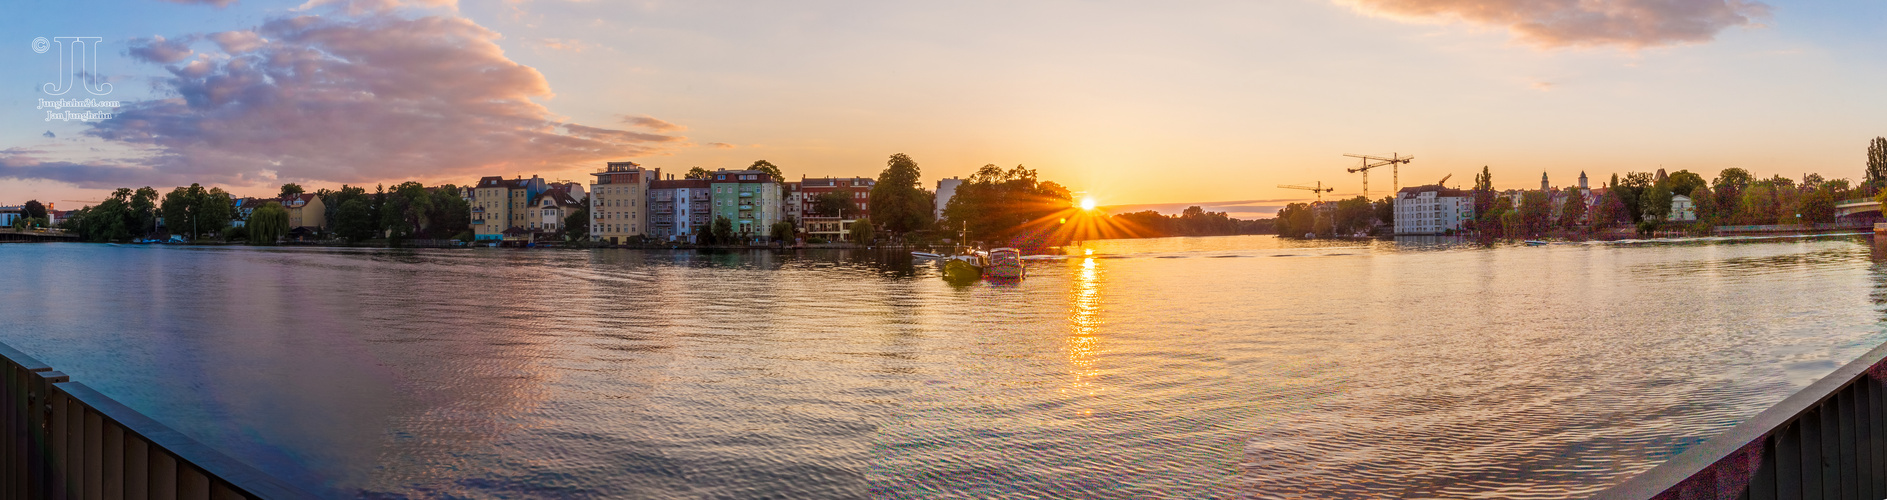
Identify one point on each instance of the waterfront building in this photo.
(857, 190)
(946, 189)
(1432, 209)
(1682, 209)
(246, 206)
(679, 209)
(553, 207)
(751, 199)
(305, 210)
(9, 214)
(498, 204)
(619, 200)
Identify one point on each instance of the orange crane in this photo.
(1394, 162)
(1319, 189)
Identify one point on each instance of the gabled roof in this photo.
(560, 197)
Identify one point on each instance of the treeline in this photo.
(1353, 216)
(1193, 221)
(409, 210)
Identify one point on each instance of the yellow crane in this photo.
(1319, 189)
(1394, 162)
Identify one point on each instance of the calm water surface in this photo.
(1175, 368)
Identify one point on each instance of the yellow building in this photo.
(499, 204)
(306, 210)
(619, 199)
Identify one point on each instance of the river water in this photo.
(1176, 368)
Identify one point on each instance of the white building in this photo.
(1682, 209)
(946, 189)
(1432, 210)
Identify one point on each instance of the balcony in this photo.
(746, 207)
(746, 194)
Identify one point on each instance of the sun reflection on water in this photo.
(1084, 321)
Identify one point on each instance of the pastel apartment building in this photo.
(619, 201)
(499, 204)
(679, 209)
(751, 199)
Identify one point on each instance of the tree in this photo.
(576, 226)
(448, 214)
(831, 203)
(404, 214)
(1536, 212)
(1352, 216)
(896, 200)
(722, 232)
(292, 189)
(194, 210)
(862, 231)
(1573, 209)
(33, 210)
(1683, 182)
(1483, 191)
(1709, 213)
(267, 224)
(769, 168)
(1655, 202)
(1295, 220)
(143, 211)
(1385, 212)
(1876, 164)
(698, 173)
(353, 221)
(1817, 207)
(782, 231)
(1006, 206)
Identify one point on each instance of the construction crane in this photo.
(1444, 180)
(1394, 162)
(1319, 189)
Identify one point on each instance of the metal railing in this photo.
(62, 440)
(1827, 441)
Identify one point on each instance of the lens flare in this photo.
(1087, 203)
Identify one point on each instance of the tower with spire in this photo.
(1582, 180)
(1543, 185)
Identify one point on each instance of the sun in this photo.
(1087, 203)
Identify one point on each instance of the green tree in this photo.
(353, 221)
(1295, 220)
(268, 224)
(769, 168)
(1536, 212)
(33, 210)
(1006, 206)
(404, 214)
(1483, 191)
(722, 233)
(193, 210)
(576, 226)
(896, 200)
(1573, 209)
(1709, 213)
(831, 203)
(1352, 216)
(782, 232)
(1683, 182)
(1758, 204)
(1876, 164)
(1385, 212)
(1655, 202)
(862, 231)
(143, 211)
(291, 189)
(448, 214)
(1817, 207)
(698, 173)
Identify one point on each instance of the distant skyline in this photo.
(1140, 105)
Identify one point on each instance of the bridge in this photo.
(35, 236)
(1846, 208)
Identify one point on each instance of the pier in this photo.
(16, 236)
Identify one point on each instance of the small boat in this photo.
(963, 268)
(1004, 263)
(1535, 243)
(925, 255)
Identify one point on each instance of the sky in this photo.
(1142, 105)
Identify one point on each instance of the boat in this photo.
(1004, 263)
(1535, 243)
(925, 255)
(963, 268)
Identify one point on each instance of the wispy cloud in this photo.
(1566, 23)
(651, 123)
(565, 44)
(159, 50)
(343, 99)
(721, 145)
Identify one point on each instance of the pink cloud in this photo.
(347, 100)
(1564, 23)
(159, 50)
(721, 145)
(652, 123)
